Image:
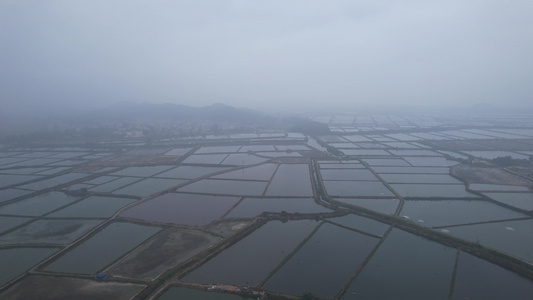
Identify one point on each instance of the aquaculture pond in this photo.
(190, 172)
(361, 224)
(114, 184)
(243, 159)
(185, 293)
(49, 232)
(37, 205)
(64, 288)
(163, 251)
(479, 279)
(420, 178)
(249, 261)
(412, 170)
(391, 162)
(321, 268)
(409, 266)
(432, 190)
(218, 149)
(10, 194)
(93, 207)
(384, 206)
(451, 212)
(100, 180)
(7, 180)
(256, 148)
(262, 172)
(497, 187)
(364, 152)
(430, 161)
(357, 188)
(205, 159)
(251, 207)
(519, 200)
(6, 223)
(291, 180)
(179, 208)
(178, 151)
(327, 165)
(16, 261)
(102, 249)
(54, 181)
(512, 237)
(226, 187)
(148, 186)
(141, 171)
(347, 174)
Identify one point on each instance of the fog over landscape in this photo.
(265, 55)
(266, 149)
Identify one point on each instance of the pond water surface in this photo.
(384, 206)
(513, 237)
(409, 266)
(291, 180)
(185, 293)
(324, 263)
(37, 205)
(15, 261)
(479, 279)
(103, 248)
(250, 260)
(188, 209)
(251, 207)
(451, 212)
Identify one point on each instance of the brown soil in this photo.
(166, 250)
(487, 175)
(59, 288)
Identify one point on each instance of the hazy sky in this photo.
(265, 53)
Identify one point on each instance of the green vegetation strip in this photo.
(454, 274)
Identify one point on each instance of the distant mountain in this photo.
(127, 111)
